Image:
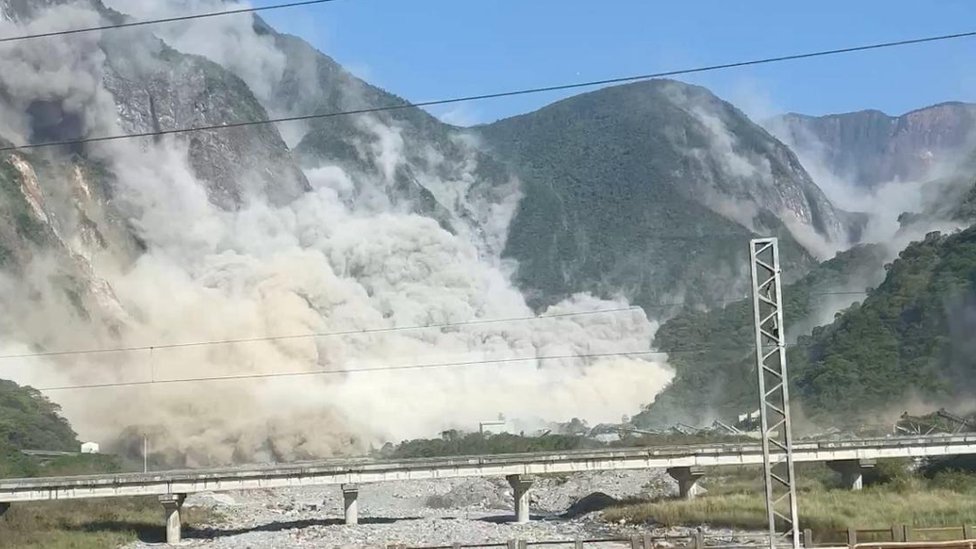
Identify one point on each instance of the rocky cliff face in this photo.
(66, 201)
(870, 147)
(172, 90)
(422, 165)
(145, 86)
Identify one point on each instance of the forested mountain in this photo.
(360, 227)
(652, 189)
(910, 340)
(906, 342)
(607, 189)
(373, 221)
(902, 343)
(29, 421)
(712, 351)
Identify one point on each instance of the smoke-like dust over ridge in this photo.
(338, 257)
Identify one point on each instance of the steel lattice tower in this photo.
(777, 440)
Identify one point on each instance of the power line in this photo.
(362, 370)
(164, 20)
(525, 91)
(315, 335)
(421, 366)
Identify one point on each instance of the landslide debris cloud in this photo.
(130, 243)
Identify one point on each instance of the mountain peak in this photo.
(611, 178)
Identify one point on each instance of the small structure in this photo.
(494, 427)
(89, 448)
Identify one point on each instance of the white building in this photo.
(495, 426)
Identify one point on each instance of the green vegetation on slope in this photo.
(458, 444)
(966, 208)
(711, 350)
(28, 420)
(622, 188)
(454, 443)
(912, 336)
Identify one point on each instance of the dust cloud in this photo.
(329, 261)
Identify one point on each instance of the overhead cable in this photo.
(314, 335)
(147, 22)
(480, 97)
(422, 366)
(367, 331)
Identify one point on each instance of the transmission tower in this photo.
(774, 396)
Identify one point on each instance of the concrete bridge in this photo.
(685, 463)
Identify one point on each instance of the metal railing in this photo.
(896, 537)
(695, 540)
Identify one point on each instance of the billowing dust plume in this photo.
(322, 263)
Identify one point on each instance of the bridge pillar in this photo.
(171, 510)
(350, 502)
(687, 478)
(852, 471)
(520, 492)
(3, 508)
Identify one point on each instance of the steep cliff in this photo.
(871, 147)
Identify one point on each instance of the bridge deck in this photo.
(364, 470)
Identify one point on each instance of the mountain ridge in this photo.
(870, 147)
(632, 194)
(940, 104)
(689, 158)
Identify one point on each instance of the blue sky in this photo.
(431, 49)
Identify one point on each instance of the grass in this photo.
(819, 510)
(85, 524)
(735, 500)
(732, 480)
(82, 524)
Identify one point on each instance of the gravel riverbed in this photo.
(423, 513)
